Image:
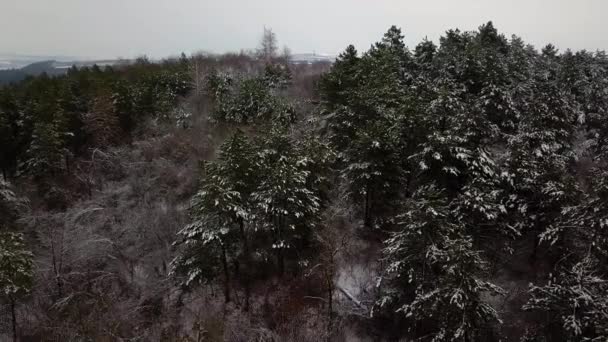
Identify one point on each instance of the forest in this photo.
(452, 191)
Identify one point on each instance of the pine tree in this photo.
(364, 97)
(424, 54)
(541, 153)
(288, 204)
(338, 85)
(277, 76)
(45, 153)
(434, 275)
(574, 303)
(123, 100)
(373, 169)
(16, 271)
(102, 123)
(7, 141)
(582, 227)
(221, 213)
(450, 151)
(11, 135)
(9, 204)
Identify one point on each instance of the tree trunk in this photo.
(67, 162)
(330, 298)
(14, 316)
(366, 217)
(279, 243)
(533, 256)
(330, 306)
(281, 261)
(246, 263)
(55, 266)
(226, 274)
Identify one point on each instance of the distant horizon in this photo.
(87, 58)
(161, 28)
(66, 58)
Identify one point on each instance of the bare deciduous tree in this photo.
(268, 45)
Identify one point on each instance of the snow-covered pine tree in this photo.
(573, 303)
(277, 76)
(373, 169)
(588, 79)
(16, 271)
(10, 130)
(338, 85)
(288, 202)
(16, 261)
(450, 152)
(9, 205)
(582, 227)
(221, 212)
(424, 53)
(434, 276)
(319, 159)
(386, 73)
(7, 143)
(365, 97)
(45, 154)
(541, 153)
(16, 266)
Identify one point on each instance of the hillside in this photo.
(445, 192)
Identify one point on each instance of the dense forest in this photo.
(446, 192)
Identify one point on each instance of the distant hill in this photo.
(50, 67)
(34, 69)
(40, 67)
(18, 61)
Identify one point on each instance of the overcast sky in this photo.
(158, 28)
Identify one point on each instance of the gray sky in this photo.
(126, 28)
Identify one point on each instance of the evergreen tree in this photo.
(574, 303)
(364, 97)
(9, 205)
(221, 212)
(424, 55)
(288, 204)
(338, 85)
(7, 141)
(277, 76)
(541, 154)
(102, 122)
(45, 153)
(434, 276)
(373, 169)
(11, 131)
(16, 271)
